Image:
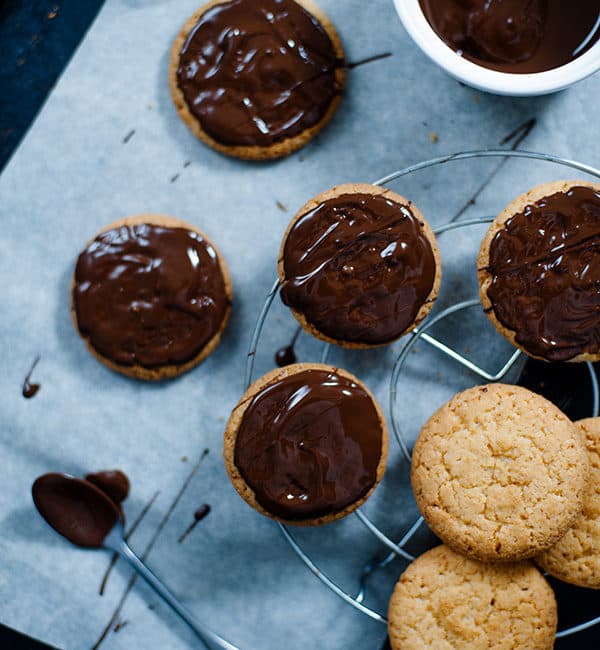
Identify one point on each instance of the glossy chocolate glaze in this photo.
(113, 482)
(255, 72)
(517, 36)
(309, 445)
(358, 267)
(149, 295)
(545, 265)
(75, 508)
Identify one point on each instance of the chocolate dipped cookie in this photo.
(307, 444)
(151, 296)
(359, 266)
(257, 79)
(539, 272)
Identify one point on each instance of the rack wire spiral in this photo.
(420, 333)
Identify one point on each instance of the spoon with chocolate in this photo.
(81, 512)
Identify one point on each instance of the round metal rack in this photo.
(421, 334)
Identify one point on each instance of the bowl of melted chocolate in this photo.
(508, 47)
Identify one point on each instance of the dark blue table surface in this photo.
(37, 39)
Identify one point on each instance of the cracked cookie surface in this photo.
(499, 473)
(447, 602)
(576, 557)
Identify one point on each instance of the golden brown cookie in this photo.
(359, 266)
(539, 272)
(445, 601)
(293, 75)
(576, 557)
(307, 444)
(150, 296)
(499, 473)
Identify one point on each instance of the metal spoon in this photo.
(115, 541)
(87, 517)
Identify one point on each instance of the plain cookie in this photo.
(499, 473)
(576, 557)
(445, 601)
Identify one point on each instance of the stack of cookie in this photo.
(501, 477)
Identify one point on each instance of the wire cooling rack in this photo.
(422, 334)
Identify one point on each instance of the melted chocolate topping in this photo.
(309, 445)
(149, 295)
(545, 264)
(75, 508)
(255, 72)
(113, 482)
(358, 267)
(516, 36)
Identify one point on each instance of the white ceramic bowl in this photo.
(500, 83)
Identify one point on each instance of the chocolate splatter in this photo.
(120, 625)
(518, 135)
(370, 59)
(286, 355)
(30, 389)
(199, 515)
(163, 522)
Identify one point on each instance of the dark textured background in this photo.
(37, 39)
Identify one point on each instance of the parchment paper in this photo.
(73, 174)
